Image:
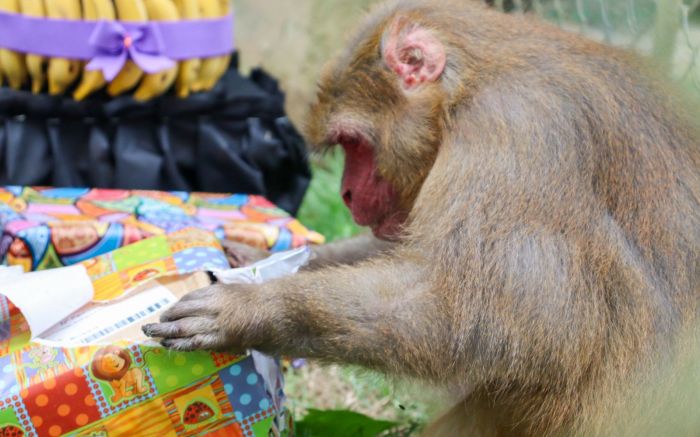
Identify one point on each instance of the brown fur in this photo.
(550, 264)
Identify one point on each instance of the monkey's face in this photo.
(371, 198)
(372, 189)
(382, 102)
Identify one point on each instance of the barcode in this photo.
(127, 321)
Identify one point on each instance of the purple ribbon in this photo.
(154, 45)
(114, 45)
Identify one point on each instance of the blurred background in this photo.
(292, 40)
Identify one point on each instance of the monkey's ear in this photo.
(413, 52)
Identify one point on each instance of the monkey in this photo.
(534, 205)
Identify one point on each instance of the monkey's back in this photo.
(616, 177)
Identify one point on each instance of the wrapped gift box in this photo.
(52, 227)
(94, 373)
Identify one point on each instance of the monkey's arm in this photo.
(394, 314)
(349, 251)
(380, 314)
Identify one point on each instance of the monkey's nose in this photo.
(347, 197)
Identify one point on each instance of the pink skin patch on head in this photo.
(369, 197)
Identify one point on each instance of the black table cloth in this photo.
(235, 138)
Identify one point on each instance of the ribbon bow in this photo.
(114, 44)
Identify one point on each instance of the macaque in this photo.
(534, 200)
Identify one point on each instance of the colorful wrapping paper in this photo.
(146, 391)
(52, 227)
(120, 388)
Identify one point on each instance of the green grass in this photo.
(348, 388)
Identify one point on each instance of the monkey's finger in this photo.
(188, 309)
(210, 341)
(240, 254)
(181, 328)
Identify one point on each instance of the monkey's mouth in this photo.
(371, 199)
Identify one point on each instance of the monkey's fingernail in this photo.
(148, 329)
(168, 343)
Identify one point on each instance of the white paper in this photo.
(96, 321)
(276, 266)
(47, 297)
(10, 272)
(270, 371)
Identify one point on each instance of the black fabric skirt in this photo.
(235, 138)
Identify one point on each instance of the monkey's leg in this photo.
(382, 314)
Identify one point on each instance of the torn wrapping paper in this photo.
(46, 297)
(272, 267)
(52, 227)
(42, 299)
(64, 382)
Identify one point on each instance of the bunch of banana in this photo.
(63, 72)
(131, 74)
(224, 61)
(153, 85)
(215, 67)
(93, 80)
(189, 69)
(13, 64)
(191, 75)
(35, 63)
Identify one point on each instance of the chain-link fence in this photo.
(667, 29)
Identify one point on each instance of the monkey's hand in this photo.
(241, 255)
(219, 317)
(379, 314)
(349, 251)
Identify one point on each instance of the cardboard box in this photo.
(44, 228)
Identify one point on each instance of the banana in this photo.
(210, 66)
(35, 63)
(89, 9)
(63, 72)
(189, 69)
(12, 62)
(93, 80)
(224, 61)
(153, 85)
(131, 74)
